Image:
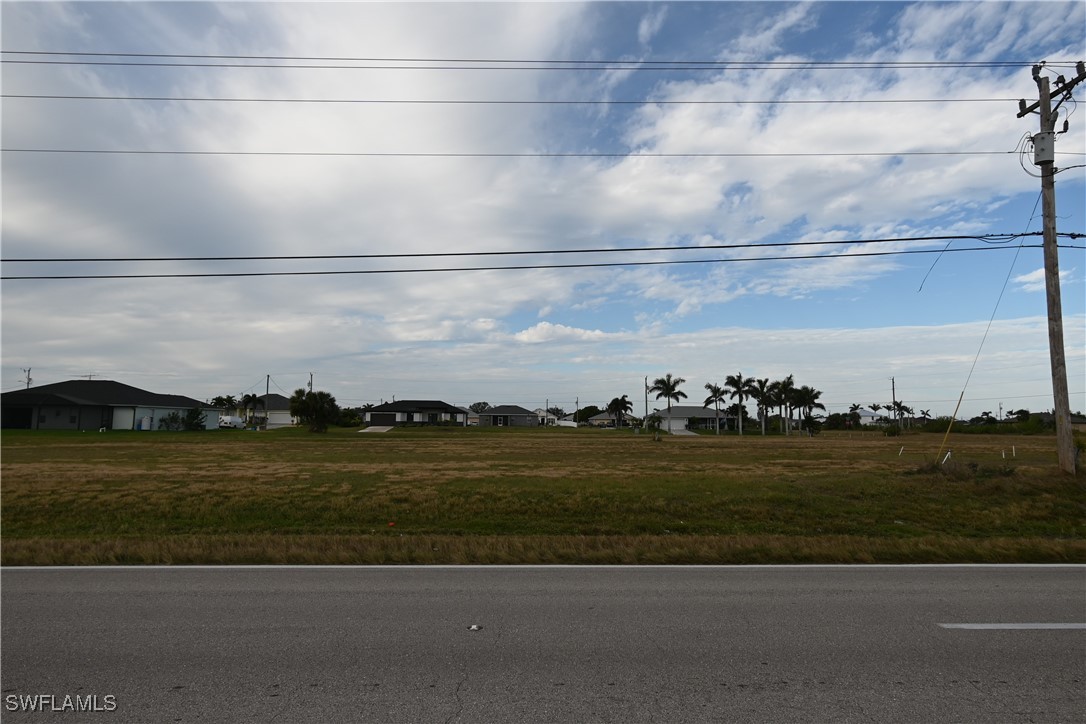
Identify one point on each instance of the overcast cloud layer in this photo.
(531, 336)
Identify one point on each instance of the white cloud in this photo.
(548, 332)
(650, 25)
(1034, 281)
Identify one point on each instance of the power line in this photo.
(367, 59)
(433, 101)
(519, 267)
(376, 63)
(987, 238)
(511, 154)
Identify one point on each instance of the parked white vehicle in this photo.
(231, 421)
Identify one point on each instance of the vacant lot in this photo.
(453, 495)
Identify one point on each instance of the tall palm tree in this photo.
(854, 414)
(806, 399)
(716, 396)
(250, 402)
(740, 388)
(668, 387)
(786, 390)
(762, 395)
(875, 407)
(618, 407)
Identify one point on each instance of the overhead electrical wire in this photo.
(504, 154)
(326, 62)
(466, 102)
(987, 238)
(518, 267)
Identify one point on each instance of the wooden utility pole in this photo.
(1044, 156)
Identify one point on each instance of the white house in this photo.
(682, 417)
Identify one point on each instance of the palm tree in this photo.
(806, 399)
(668, 387)
(716, 396)
(762, 395)
(786, 390)
(618, 407)
(251, 401)
(854, 414)
(875, 407)
(740, 388)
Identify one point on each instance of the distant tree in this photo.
(350, 417)
(740, 388)
(1019, 415)
(806, 400)
(783, 395)
(618, 407)
(837, 421)
(653, 423)
(557, 412)
(194, 419)
(586, 413)
(250, 402)
(875, 407)
(763, 396)
(315, 408)
(668, 387)
(854, 414)
(478, 407)
(715, 397)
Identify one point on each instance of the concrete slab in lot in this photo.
(377, 428)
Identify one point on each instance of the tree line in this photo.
(780, 396)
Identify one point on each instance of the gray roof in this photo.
(98, 393)
(507, 410)
(416, 406)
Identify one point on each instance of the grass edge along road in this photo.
(459, 496)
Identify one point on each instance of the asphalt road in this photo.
(767, 644)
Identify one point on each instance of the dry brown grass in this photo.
(533, 497)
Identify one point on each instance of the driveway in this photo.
(377, 428)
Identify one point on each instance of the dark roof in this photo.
(275, 401)
(101, 393)
(416, 406)
(508, 410)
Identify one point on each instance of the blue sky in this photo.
(842, 325)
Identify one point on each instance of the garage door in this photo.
(382, 418)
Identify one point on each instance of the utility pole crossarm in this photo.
(1024, 110)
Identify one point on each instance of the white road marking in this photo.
(1015, 626)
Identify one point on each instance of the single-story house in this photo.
(415, 412)
(95, 404)
(692, 417)
(508, 416)
(276, 410)
(605, 419)
(867, 417)
(545, 418)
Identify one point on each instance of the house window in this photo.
(71, 419)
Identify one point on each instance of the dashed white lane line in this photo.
(1015, 626)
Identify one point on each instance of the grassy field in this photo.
(454, 495)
